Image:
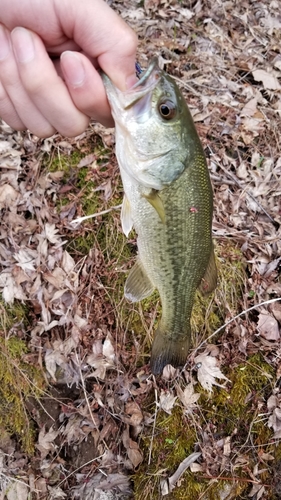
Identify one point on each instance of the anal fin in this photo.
(138, 286)
(209, 280)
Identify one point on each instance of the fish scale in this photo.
(169, 202)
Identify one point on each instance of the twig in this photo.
(153, 428)
(271, 301)
(186, 86)
(103, 212)
(84, 389)
(78, 468)
(241, 479)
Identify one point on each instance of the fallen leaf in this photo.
(108, 349)
(268, 80)
(167, 401)
(250, 107)
(169, 484)
(188, 397)
(257, 491)
(208, 371)
(132, 447)
(46, 441)
(268, 327)
(275, 308)
(7, 195)
(133, 414)
(17, 491)
(50, 232)
(55, 493)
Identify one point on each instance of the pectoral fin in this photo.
(155, 201)
(209, 281)
(138, 286)
(126, 216)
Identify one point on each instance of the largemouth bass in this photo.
(168, 200)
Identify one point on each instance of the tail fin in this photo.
(167, 350)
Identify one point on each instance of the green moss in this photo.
(83, 182)
(236, 408)
(230, 412)
(18, 381)
(12, 314)
(63, 162)
(174, 439)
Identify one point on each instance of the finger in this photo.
(43, 85)
(91, 24)
(86, 87)
(8, 112)
(16, 107)
(104, 36)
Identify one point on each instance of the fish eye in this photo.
(167, 109)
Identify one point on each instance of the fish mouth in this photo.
(146, 84)
(139, 94)
(149, 77)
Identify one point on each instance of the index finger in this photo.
(106, 37)
(91, 24)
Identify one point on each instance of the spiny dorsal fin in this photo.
(155, 201)
(138, 286)
(126, 216)
(209, 280)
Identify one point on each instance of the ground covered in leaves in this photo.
(80, 415)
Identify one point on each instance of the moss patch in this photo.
(18, 381)
(233, 413)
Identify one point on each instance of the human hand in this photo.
(39, 41)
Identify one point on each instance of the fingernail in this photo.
(23, 45)
(130, 81)
(73, 68)
(4, 43)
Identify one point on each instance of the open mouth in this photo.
(153, 66)
(141, 91)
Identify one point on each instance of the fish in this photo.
(168, 200)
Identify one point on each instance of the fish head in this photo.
(154, 129)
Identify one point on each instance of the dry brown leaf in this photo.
(46, 441)
(268, 80)
(169, 485)
(55, 493)
(275, 309)
(17, 490)
(134, 453)
(7, 195)
(50, 232)
(208, 371)
(274, 421)
(133, 414)
(268, 327)
(250, 107)
(257, 491)
(188, 397)
(108, 349)
(167, 401)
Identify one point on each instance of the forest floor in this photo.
(81, 416)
